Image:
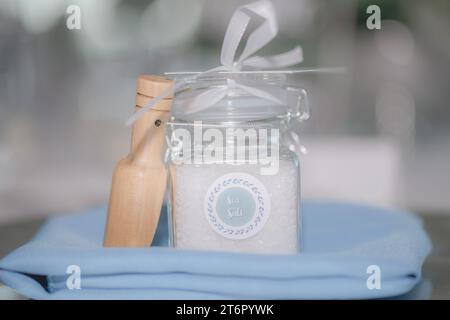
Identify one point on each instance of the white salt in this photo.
(192, 230)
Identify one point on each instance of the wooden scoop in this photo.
(139, 180)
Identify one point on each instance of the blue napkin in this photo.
(340, 242)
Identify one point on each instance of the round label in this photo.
(237, 205)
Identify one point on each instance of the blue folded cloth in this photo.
(340, 242)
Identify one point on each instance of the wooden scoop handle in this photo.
(139, 182)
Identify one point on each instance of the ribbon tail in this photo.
(205, 100)
(286, 59)
(260, 93)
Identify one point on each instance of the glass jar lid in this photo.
(273, 99)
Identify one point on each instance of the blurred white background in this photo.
(378, 134)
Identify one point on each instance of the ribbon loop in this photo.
(281, 60)
(233, 36)
(265, 32)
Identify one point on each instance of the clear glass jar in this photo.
(234, 168)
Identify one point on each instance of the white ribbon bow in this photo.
(257, 39)
(261, 36)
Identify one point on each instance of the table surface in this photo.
(436, 270)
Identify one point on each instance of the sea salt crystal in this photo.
(192, 230)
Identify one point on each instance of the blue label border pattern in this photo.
(260, 196)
